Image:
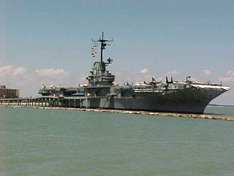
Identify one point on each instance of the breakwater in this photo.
(73, 104)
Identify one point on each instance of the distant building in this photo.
(8, 93)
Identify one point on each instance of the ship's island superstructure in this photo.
(157, 96)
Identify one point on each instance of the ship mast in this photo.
(103, 43)
(100, 76)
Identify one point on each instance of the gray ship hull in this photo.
(190, 100)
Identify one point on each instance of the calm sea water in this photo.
(68, 143)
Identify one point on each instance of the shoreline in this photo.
(150, 114)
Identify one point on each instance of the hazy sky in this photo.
(48, 41)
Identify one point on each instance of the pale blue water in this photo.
(65, 143)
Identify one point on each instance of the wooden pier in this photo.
(44, 102)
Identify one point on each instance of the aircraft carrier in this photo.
(157, 96)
